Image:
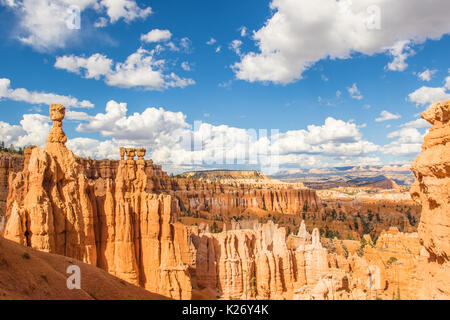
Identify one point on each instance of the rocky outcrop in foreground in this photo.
(432, 189)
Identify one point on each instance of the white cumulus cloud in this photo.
(334, 137)
(243, 31)
(235, 46)
(47, 25)
(386, 116)
(211, 41)
(302, 32)
(101, 22)
(94, 66)
(35, 97)
(400, 51)
(140, 69)
(33, 130)
(87, 147)
(408, 142)
(417, 124)
(185, 66)
(149, 126)
(124, 9)
(156, 35)
(426, 75)
(173, 140)
(428, 95)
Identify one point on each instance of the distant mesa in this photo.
(237, 174)
(386, 184)
(237, 177)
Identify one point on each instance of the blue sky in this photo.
(342, 83)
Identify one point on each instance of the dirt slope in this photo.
(29, 274)
(386, 184)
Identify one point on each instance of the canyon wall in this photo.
(432, 189)
(228, 201)
(254, 261)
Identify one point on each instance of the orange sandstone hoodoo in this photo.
(125, 230)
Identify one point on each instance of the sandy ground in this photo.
(26, 273)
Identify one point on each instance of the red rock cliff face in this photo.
(255, 262)
(112, 223)
(432, 189)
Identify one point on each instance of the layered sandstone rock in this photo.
(256, 262)
(432, 189)
(228, 201)
(121, 216)
(353, 219)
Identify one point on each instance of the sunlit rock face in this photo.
(253, 261)
(432, 189)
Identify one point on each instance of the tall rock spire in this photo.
(57, 135)
(432, 189)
